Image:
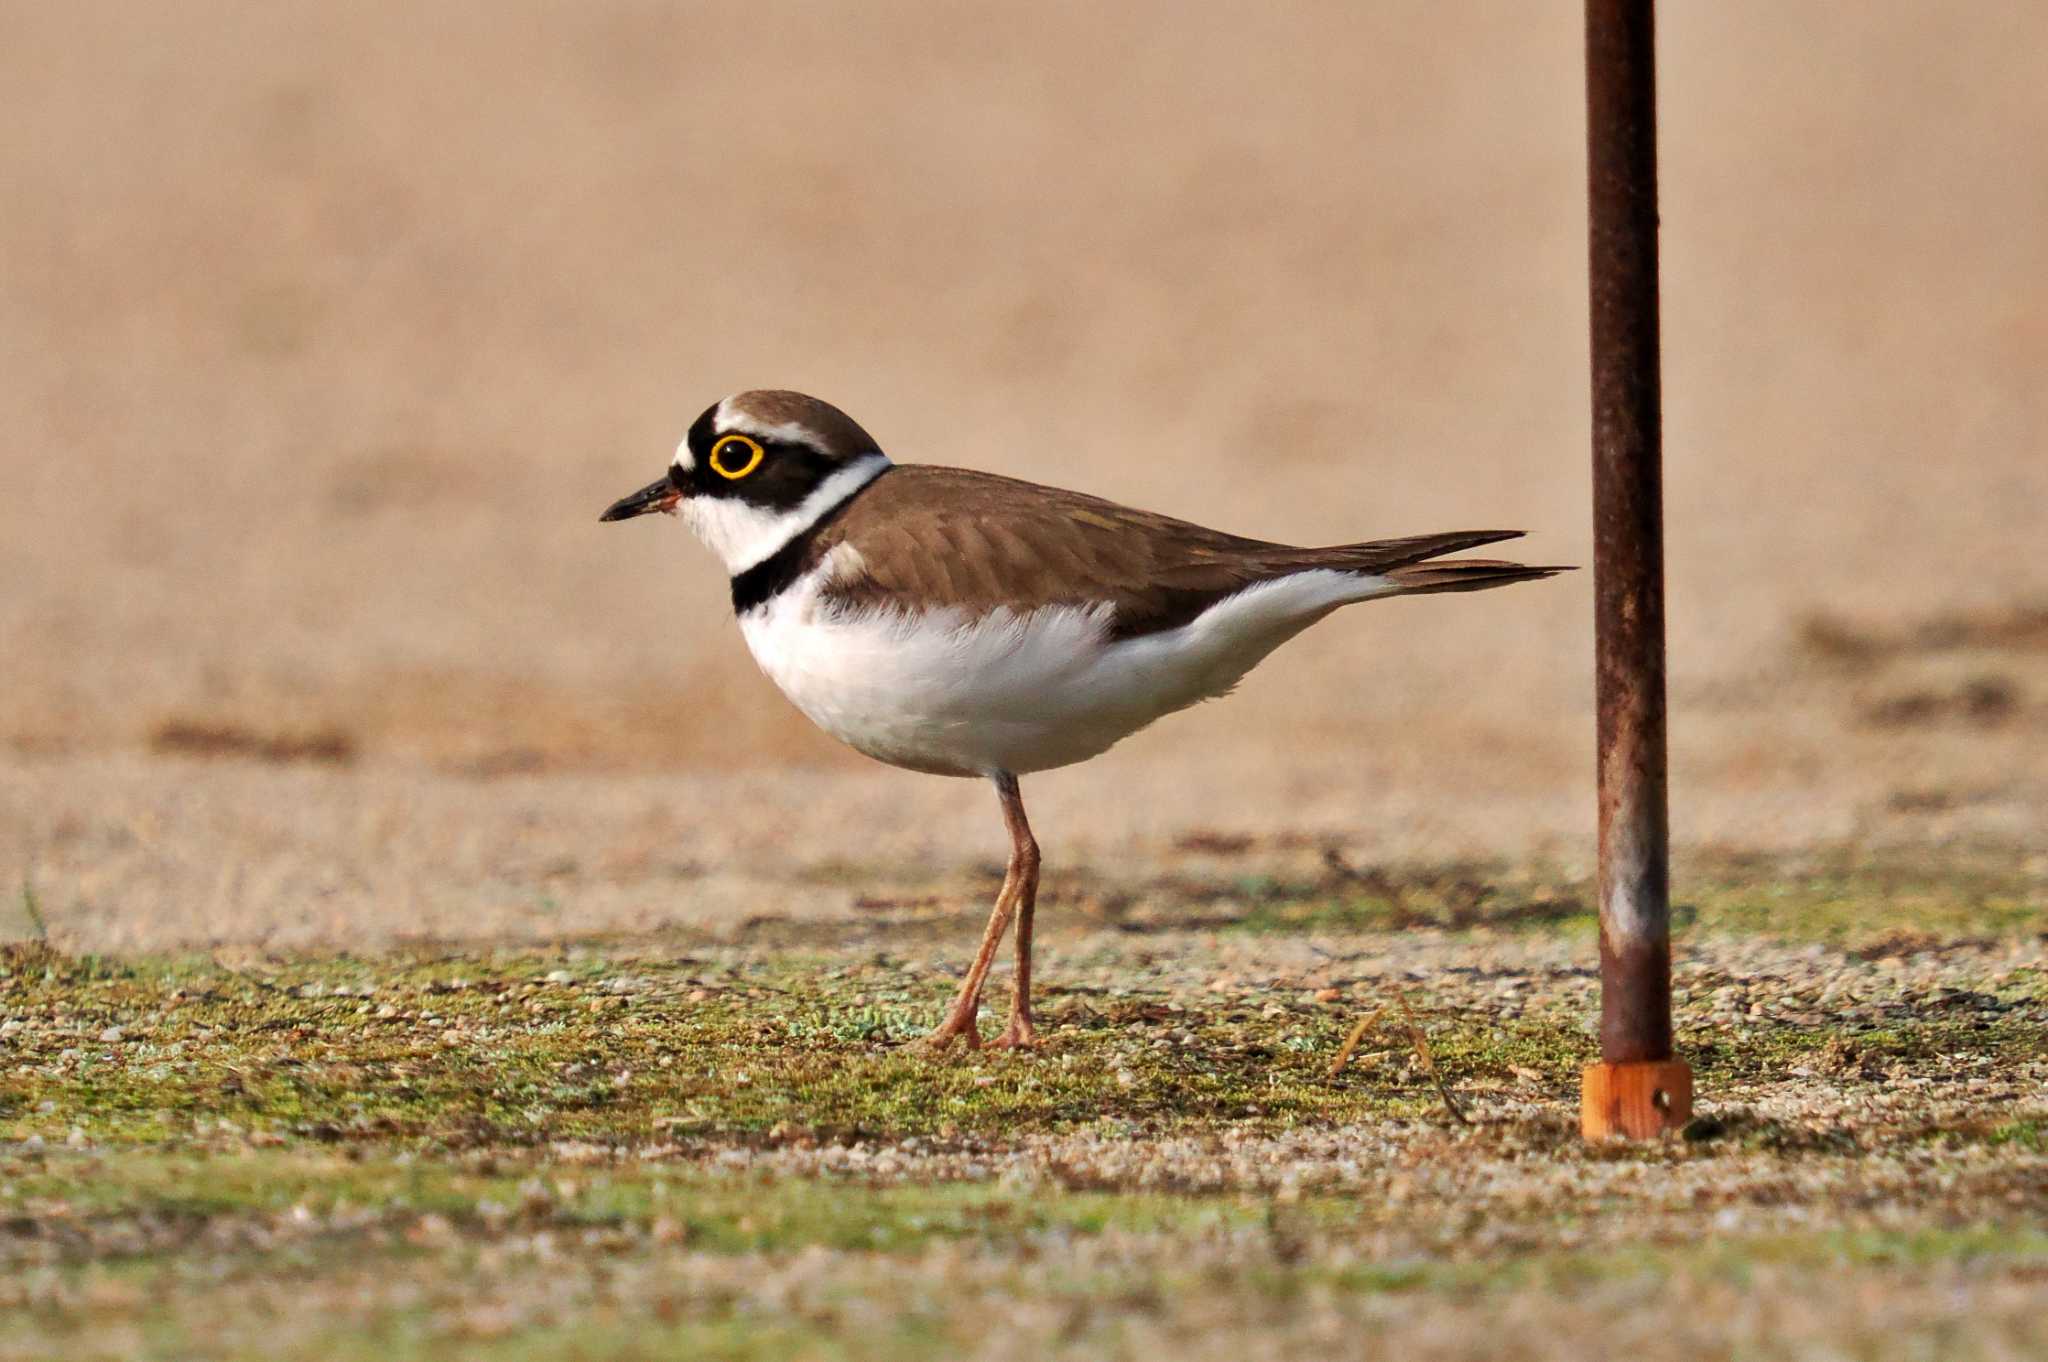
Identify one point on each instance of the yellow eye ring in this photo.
(735, 456)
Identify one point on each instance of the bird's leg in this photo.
(960, 1020)
(1020, 1034)
(960, 1017)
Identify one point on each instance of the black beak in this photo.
(655, 496)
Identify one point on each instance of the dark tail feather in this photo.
(1465, 574)
(1413, 563)
(1393, 552)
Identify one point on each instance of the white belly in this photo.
(939, 692)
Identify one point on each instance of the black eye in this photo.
(735, 456)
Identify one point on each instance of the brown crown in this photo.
(824, 427)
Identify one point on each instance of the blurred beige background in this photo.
(326, 331)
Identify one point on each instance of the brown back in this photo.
(975, 541)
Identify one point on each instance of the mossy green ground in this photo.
(621, 1148)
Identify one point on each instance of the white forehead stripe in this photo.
(720, 421)
(732, 418)
(769, 432)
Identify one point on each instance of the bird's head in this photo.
(757, 469)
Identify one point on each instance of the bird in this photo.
(962, 623)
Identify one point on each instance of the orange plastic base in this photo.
(1639, 1101)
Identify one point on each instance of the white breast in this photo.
(938, 691)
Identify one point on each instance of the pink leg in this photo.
(1020, 1034)
(1020, 888)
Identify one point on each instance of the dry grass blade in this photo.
(1350, 1044)
(1421, 1043)
(33, 911)
(253, 980)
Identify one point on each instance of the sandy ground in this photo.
(327, 330)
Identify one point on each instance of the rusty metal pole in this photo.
(1638, 1090)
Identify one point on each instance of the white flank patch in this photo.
(742, 534)
(943, 693)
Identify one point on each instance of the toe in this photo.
(1016, 1037)
(941, 1040)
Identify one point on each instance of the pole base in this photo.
(1639, 1101)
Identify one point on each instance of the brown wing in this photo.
(975, 542)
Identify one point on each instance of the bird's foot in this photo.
(955, 1027)
(1020, 1034)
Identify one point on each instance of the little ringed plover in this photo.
(966, 624)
